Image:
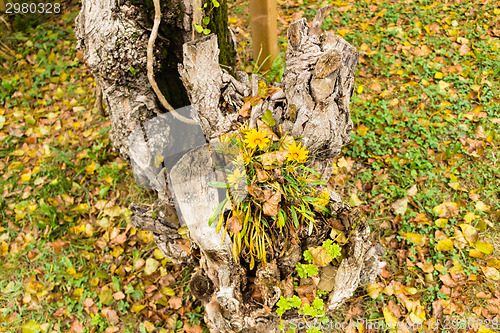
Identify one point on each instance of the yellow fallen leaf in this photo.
(81, 208)
(469, 217)
(484, 247)
(342, 32)
(447, 209)
(441, 223)
(137, 308)
(490, 273)
(413, 237)
(373, 290)
(444, 245)
(151, 266)
(475, 253)
(390, 319)
(91, 168)
(354, 200)
(482, 206)
(148, 326)
(485, 330)
(470, 233)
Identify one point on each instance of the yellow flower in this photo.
(254, 138)
(236, 177)
(297, 153)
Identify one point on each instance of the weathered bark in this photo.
(114, 36)
(313, 103)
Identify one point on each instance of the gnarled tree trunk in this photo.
(313, 104)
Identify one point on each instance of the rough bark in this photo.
(114, 36)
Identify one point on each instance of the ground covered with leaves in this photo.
(422, 165)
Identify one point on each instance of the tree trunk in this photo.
(313, 104)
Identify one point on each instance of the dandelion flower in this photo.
(297, 153)
(254, 138)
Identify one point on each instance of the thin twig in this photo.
(152, 82)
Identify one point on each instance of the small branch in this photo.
(151, 43)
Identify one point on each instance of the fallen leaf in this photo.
(390, 319)
(447, 280)
(400, 206)
(373, 290)
(484, 247)
(470, 233)
(151, 266)
(320, 255)
(270, 207)
(234, 225)
(175, 302)
(413, 237)
(444, 245)
(490, 273)
(426, 266)
(446, 210)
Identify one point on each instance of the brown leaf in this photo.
(76, 327)
(427, 267)
(464, 49)
(273, 159)
(234, 225)
(246, 109)
(286, 287)
(256, 192)
(175, 302)
(110, 315)
(88, 303)
(494, 305)
(119, 239)
(118, 295)
(270, 207)
(483, 295)
(196, 329)
(262, 175)
(306, 293)
(448, 281)
(394, 307)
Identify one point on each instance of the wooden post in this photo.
(263, 21)
(2, 5)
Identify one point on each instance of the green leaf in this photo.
(206, 20)
(206, 31)
(294, 217)
(308, 256)
(318, 303)
(217, 211)
(295, 301)
(306, 270)
(268, 119)
(216, 3)
(198, 28)
(217, 184)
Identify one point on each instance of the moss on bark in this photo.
(219, 25)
